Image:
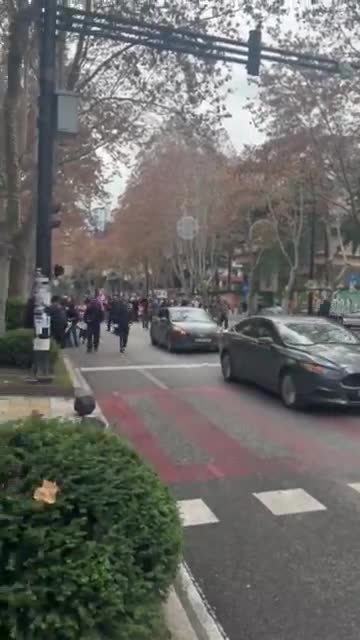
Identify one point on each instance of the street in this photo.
(270, 498)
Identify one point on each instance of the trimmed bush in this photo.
(16, 349)
(15, 313)
(89, 537)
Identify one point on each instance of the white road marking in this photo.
(289, 501)
(355, 486)
(204, 619)
(154, 379)
(195, 512)
(150, 367)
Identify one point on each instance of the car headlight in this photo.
(313, 367)
(179, 331)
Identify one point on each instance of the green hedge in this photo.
(15, 313)
(16, 349)
(96, 564)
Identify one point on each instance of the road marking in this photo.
(195, 512)
(289, 502)
(154, 379)
(150, 367)
(355, 486)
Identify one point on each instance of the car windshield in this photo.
(307, 333)
(189, 315)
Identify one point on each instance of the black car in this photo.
(184, 329)
(306, 360)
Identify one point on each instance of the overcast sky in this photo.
(239, 127)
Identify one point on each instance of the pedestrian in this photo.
(224, 314)
(93, 317)
(122, 320)
(73, 319)
(135, 309)
(145, 313)
(58, 321)
(109, 306)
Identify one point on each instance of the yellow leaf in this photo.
(47, 492)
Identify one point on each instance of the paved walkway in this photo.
(17, 407)
(20, 407)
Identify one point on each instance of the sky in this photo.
(239, 127)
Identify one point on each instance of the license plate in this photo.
(207, 340)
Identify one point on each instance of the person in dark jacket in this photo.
(58, 321)
(93, 318)
(109, 312)
(145, 313)
(122, 319)
(73, 318)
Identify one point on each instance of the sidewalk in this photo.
(19, 407)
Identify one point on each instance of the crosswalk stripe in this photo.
(289, 502)
(195, 512)
(149, 367)
(355, 486)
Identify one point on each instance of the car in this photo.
(272, 311)
(352, 321)
(184, 329)
(306, 360)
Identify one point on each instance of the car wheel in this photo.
(153, 341)
(288, 391)
(227, 367)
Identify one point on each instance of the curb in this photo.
(176, 619)
(187, 612)
(201, 617)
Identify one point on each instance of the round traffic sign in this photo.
(187, 228)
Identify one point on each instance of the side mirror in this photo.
(266, 340)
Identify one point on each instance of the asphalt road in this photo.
(273, 525)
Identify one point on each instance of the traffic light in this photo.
(254, 52)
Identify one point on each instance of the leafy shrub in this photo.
(16, 349)
(95, 564)
(15, 313)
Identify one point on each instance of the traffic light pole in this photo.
(46, 125)
(46, 143)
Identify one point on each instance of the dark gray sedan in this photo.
(184, 329)
(306, 360)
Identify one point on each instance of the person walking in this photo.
(122, 319)
(73, 318)
(58, 321)
(145, 313)
(93, 318)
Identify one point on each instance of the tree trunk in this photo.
(289, 291)
(252, 292)
(4, 282)
(22, 265)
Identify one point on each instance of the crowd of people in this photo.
(74, 324)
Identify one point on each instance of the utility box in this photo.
(67, 113)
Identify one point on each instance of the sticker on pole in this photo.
(187, 228)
